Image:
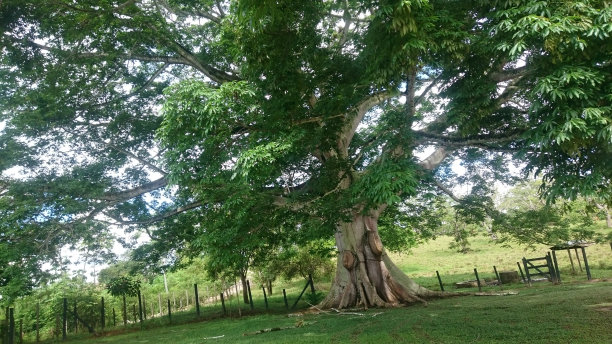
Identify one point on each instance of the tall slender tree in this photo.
(301, 119)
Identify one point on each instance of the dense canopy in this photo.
(236, 127)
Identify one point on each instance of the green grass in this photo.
(567, 313)
(576, 311)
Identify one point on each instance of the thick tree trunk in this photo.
(269, 287)
(245, 290)
(365, 275)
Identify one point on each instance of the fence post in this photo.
(285, 297)
(197, 300)
(11, 327)
(477, 280)
(65, 319)
(250, 296)
(556, 264)
(139, 307)
(551, 268)
(223, 304)
(124, 311)
(169, 312)
(521, 270)
(160, 308)
(103, 315)
(37, 322)
(302, 293)
(312, 288)
(439, 281)
(527, 271)
(76, 318)
(265, 296)
(144, 307)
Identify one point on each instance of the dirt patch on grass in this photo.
(604, 309)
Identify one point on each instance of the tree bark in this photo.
(245, 291)
(365, 275)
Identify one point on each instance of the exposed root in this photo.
(299, 324)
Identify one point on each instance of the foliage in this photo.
(123, 286)
(313, 259)
(49, 300)
(527, 220)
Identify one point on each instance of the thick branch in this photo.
(137, 158)
(135, 192)
(510, 74)
(447, 191)
(433, 83)
(162, 216)
(434, 159)
(453, 141)
(140, 89)
(362, 108)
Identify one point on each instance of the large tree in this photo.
(301, 119)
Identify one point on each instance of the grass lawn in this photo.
(569, 313)
(576, 311)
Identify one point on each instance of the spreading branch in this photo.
(135, 192)
(159, 217)
(434, 159)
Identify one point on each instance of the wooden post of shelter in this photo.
(578, 258)
(569, 253)
(586, 263)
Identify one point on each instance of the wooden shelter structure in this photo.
(572, 246)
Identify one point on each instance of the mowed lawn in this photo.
(576, 311)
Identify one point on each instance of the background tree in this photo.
(123, 286)
(310, 117)
(527, 220)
